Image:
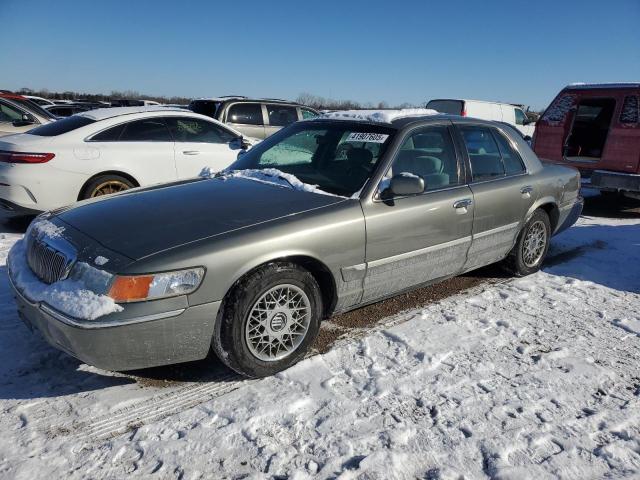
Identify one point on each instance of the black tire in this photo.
(515, 263)
(89, 191)
(230, 342)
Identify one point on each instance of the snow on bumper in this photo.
(141, 335)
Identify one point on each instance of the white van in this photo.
(500, 112)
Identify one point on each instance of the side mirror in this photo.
(241, 143)
(527, 121)
(24, 121)
(406, 184)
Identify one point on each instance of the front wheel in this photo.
(269, 320)
(532, 245)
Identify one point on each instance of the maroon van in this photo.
(595, 128)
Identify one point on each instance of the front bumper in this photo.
(606, 180)
(125, 343)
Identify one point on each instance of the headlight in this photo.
(136, 288)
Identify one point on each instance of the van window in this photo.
(520, 117)
(306, 113)
(630, 110)
(452, 107)
(484, 156)
(245, 113)
(557, 111)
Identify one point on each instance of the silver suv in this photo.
(257, 118)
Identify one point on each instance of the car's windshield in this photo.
(34, 107)
(337, 156)
(205, 107)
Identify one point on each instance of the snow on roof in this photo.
(103, 113)
(380, 116)
(578, 85)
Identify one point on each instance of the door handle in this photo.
(526, 191)
(191, 152)
(464, 203)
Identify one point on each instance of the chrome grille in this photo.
(46, 262)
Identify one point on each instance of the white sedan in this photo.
(110, 150)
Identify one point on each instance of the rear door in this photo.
(622, 151)
(199, 144)
(142, 148)
(247, 118)
(502, 192)
(279, 116)
(418, 238)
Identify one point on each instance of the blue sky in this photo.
(402, 51)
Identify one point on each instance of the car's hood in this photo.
(140, 223)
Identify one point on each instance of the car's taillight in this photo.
(25, 157)
(463, 113)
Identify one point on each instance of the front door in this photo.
(415, 239)
(502, 191)
(201, 144)
(279, 116)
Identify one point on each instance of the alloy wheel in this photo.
(534, 244)
(278, 322)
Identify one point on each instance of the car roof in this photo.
(477, 101)
(241, 98)
(13, 96)
(104, 113)
(588, 86)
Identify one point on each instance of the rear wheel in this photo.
(269, 320)
(532, 245)
(106, 185)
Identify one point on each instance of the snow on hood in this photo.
(272, 176)
(72, 296)
(380, 116)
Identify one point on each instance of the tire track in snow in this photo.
(121, 421)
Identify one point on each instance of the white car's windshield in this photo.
(338, 157)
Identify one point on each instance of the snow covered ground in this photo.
(530, 378)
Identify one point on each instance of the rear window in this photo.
(205, 107)
(452, 107)
(630, 110)
(61, 126)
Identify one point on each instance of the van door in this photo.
(587, 137)
(622, 150)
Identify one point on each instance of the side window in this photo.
(245, 113)
(9, 114)
(428, 153)
(148, 130)
(512, 161)
(306, 113)
(520, 117)
(281, 115)
(630, 110)
(484, 155)
(110, 134)
(196, 130)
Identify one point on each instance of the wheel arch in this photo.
(120, 173)
(550, 207)
(320, 272)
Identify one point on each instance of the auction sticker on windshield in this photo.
(367, 137)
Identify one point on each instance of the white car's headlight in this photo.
(137, 288)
